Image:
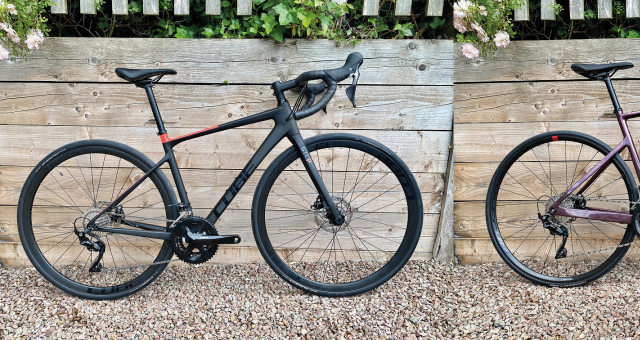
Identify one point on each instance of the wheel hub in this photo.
(323, 221)
(570, 202)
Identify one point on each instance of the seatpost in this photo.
(612, 94)
(147, 85)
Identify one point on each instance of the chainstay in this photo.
(144, 218)
(612, 247)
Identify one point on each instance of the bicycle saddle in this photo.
(133, 75)
(594, 71)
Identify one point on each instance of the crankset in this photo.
(195, 240)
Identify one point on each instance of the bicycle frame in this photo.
(285, 126)
(596, 171)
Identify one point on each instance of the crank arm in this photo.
(212, 239)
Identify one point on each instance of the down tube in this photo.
(274, 137)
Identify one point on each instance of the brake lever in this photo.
(351, 90)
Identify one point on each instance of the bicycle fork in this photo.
(335, 216)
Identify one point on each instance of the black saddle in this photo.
(598, 71)
(138, 75)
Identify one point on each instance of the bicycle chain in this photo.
(613, 247)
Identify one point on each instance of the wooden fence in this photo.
(68, 91)
(527, 90)
(576, 10)
(181, 7)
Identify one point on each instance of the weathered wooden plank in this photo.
(232, 221)
(435, 8)
(387, 62)
(371, 8)
(87, 7)
(633, 9)
(443, 249)
(605, 9)
(477, 142)
(395, 108)
(576, 9)
(244, 7)
(403, 7)
(213, 7)
(231, 149)
(480, 250)
(522, 13)
(181, 7)
(204, 187)
(472, 180)
(151, 7)
(120, 7)
(549, 60)
(547, 9)
(540, 101)
(59, 7)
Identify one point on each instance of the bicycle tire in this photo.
(499, 241)
(26, 208)
(341, 286)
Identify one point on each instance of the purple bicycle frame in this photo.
(596, 171)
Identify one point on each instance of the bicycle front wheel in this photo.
(531, 179)
(70, 187)
(369, 185)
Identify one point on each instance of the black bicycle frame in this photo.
(285, 126)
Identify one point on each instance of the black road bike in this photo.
(334, 215)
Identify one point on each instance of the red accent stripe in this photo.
(554, 138)
(165, 137)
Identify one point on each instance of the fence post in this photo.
(443, 247)
(150, 7)
(59, 7)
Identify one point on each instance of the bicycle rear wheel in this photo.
(369, 185)
(529, 180)
(71, 186)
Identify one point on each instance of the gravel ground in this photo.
(425, 300)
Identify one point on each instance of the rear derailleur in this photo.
(556, 230)
(92, 246)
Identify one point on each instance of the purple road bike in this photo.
(561, 207)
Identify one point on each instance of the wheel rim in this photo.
(533, 182)
(372, 201)
(74, 189)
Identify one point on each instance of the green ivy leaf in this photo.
(437, 22)
(277, 33)
(208, 32)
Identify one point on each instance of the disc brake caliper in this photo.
(556, 230)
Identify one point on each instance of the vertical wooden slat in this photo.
(435, 8)
(87, 7)
(213, 7)
(443, 247)
(59, 7)
(120, 7)
(150, 7)
(548, 12)
(244, 7)
(403, 7)
(633, 10)
(522, 13)
(576, 9)
(604, 9)
(371, 8)
(181, 7)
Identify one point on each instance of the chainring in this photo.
(180, 240)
